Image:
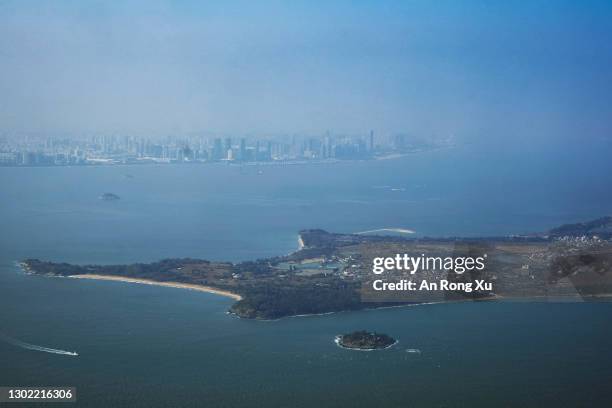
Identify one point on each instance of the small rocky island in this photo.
(364, 340)
(109, 197)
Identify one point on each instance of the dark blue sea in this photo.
(145, 346)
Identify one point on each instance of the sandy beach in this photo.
(398, 230)
(179, 285)
(300, 243)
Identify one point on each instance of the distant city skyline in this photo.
(126, 149)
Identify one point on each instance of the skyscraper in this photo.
(243, 153)
(228, 147)
(217, 153)
(328, 142)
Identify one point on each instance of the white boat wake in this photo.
(34, 347)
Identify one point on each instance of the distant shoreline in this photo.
(397, 230)
(178, 285)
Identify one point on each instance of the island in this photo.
(109, 197)
(364, 340)
(333, 272)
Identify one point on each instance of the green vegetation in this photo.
(601, 227)
(333, 272)
(364, 340)
(276, 301)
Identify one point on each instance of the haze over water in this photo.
(523, 87)
(215, 211)
(151, 346)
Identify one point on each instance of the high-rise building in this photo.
(243, 152)
(217, 151)
(328, 142)
(399, 141)
(228, 146)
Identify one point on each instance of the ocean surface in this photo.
(145, 346)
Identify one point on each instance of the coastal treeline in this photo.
(276, 301)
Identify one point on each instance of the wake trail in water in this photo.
(34, 347)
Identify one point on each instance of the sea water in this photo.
(146, 346)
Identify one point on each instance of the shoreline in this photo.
(178, 285)
(338, 342)
(396, 230)
(190, 286)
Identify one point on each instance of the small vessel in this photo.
(109, 197)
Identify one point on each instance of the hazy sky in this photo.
(490, 69)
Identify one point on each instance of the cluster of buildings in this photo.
(62, 151)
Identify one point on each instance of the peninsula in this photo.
(333, 272)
